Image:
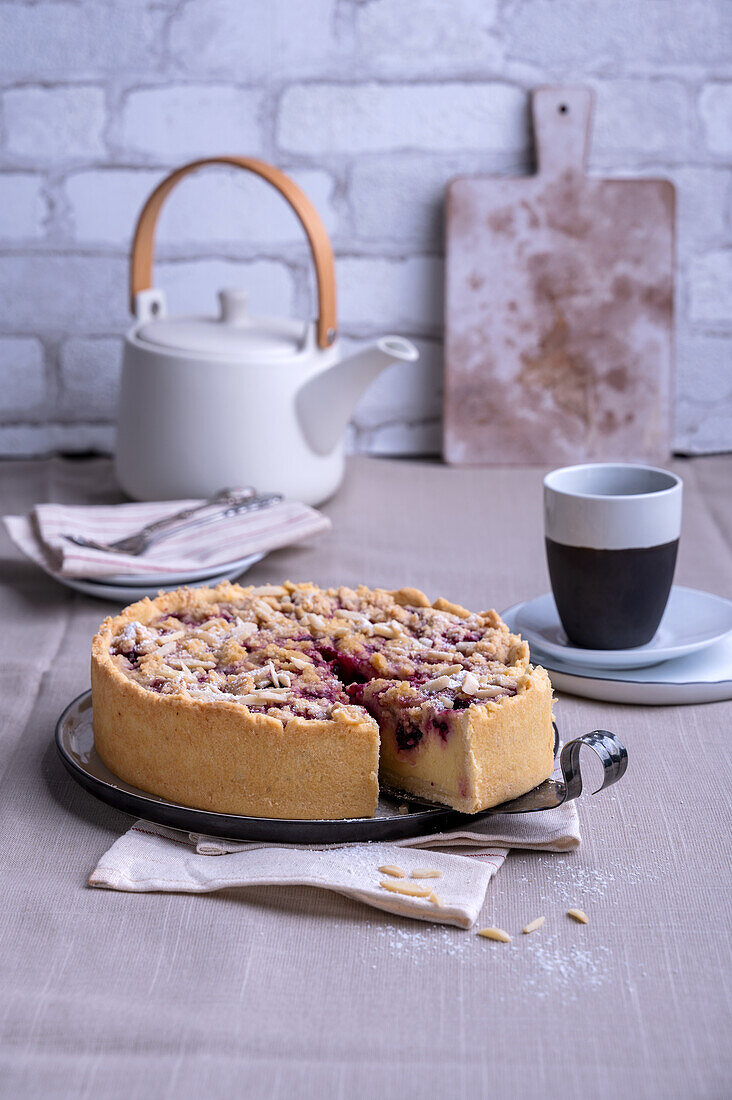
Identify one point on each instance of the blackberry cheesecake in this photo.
(293, 701)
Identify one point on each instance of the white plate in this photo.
(692, 621)
(185, 577)
(129, 593)
(704, 677)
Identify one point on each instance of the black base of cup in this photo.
(611, 599)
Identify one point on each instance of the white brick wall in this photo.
(23, 206)
(48, 125)
(89, 377)
(644, 119)
(372, 106)
(262, 41)
(711, 288)
(367, 118)
(655, 35)
(715, 107)
(187, 120)
(21, 367)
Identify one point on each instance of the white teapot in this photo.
(208, 402)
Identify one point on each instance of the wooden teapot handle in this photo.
(143, 245)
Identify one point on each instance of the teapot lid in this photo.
(234, 334)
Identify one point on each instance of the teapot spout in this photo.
(326, 401)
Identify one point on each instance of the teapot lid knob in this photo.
(234, 306)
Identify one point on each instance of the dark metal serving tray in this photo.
(75, 743)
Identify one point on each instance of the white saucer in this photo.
(704, 677)
(692, 621)
(128, 593)
(206, 572)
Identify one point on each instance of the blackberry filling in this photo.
(440, 725)
(407, 735)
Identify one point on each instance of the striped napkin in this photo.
(462, 862)
(216, 544)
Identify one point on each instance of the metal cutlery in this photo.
(229, 502)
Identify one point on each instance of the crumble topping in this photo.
(299, 651)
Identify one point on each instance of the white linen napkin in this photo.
(217, 543)
(153, 858)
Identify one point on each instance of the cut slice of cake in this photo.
(470, 754)
(285, 701)
(464, 718)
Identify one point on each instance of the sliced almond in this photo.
(411, 889)
(298, 662)
(435, 899)
(578, 915)
(262, 609)
(190, 663)
(260, 675)
(163, 639)
(390, 869)
(437, 684)
(488, 692)
(392, 629)
(533, 925)
(243, 630)
(426, 872)
(402, 808)
(470, 685)
(266, 695)
(495, 934)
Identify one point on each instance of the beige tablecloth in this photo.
(296, 993)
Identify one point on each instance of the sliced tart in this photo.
(289, 700)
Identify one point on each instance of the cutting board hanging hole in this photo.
(561, 128)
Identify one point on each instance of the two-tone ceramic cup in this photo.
(612, 533)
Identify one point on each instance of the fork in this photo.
(232, 503)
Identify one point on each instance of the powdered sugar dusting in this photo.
(542, 965)
(423, 945)
(555, 966)
(562, 879)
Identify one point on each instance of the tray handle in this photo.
(609, 748)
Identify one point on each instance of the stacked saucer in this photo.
(689, 660)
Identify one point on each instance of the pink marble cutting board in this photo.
(559, 307)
